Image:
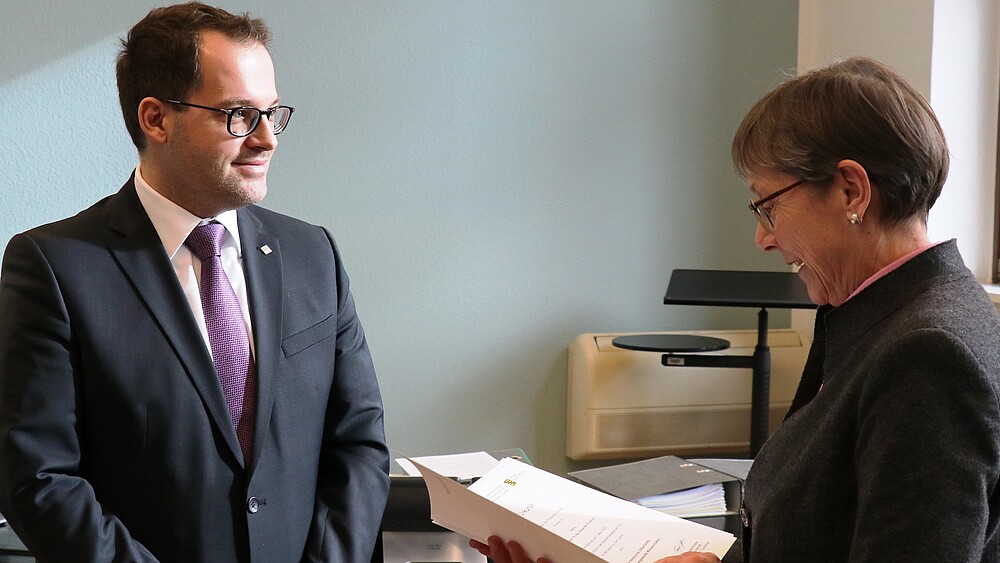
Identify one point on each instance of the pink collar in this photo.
(895, 264)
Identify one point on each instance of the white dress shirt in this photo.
(173, 224)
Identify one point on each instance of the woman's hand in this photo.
(690, 557)
(504, 552)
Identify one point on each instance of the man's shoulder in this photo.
(85, 223)
(280, 224)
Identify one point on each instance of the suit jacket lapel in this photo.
(140, 253)
(262, 268)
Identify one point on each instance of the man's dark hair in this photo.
(160, 55)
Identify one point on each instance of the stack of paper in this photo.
(464, 467)
(672, 485)
(706, 500)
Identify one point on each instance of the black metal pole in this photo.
(760, 396)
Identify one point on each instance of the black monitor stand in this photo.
(728, 288)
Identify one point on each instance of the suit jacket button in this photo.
(745, 517)
(253, 505)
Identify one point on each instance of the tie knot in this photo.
(206, 240)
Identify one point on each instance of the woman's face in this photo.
(809, 232)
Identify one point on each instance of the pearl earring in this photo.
(854, 219)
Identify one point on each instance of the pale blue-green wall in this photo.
(501, 176)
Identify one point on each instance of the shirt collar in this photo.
(892, 266)
(173, 223)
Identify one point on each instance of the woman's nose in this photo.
(764, 239)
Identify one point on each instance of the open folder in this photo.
(686, 488)
(565, 521)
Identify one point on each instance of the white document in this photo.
(562, 520)
(463, 466)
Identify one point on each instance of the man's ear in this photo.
(153, 120)
(856, 188)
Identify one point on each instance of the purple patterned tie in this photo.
(226, 332)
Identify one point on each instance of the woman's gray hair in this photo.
(857, 109)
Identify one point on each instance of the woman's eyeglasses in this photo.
(764, 215)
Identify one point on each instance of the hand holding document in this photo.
(564, 521)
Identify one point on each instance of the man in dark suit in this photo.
(133, 427)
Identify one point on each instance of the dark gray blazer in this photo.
(897, 458)
(115, 441)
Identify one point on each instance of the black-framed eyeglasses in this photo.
(242, 121)
(763, 215)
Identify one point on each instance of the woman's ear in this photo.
(856, 189)
(153, 120)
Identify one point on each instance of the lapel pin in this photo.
(265, 250)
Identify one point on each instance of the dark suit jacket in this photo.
(115, 441)
(897, 456)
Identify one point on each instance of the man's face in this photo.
(210, 171)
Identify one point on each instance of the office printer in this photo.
(407, 534)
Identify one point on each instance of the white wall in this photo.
(965, 63)
(501, 176)
(897, 32)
